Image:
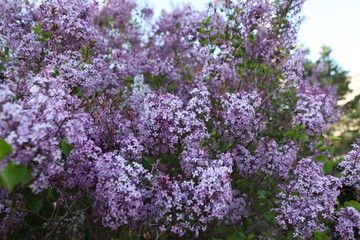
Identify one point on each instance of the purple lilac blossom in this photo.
(305, 200)
(240, 115)
(348, 224)
(351, 167)
(315, 109)
(5, 212)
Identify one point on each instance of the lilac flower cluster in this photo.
(307, 199)
(293, 69)
(269, 157)
(117, 192)
(202, 201)
(166, 124)
(315, 109)
(241, 116)
(275, 159)
(351, 167)
(34, 126)
(10, 218)
(348, 224)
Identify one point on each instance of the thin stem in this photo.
(11, 214)
(258, 212)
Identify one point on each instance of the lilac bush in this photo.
(118, 125)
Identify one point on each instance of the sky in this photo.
(331, 22)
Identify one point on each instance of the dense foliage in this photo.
(327, 71)
(192, 125)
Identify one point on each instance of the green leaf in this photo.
(222, 230)
(289, 134)
(213, 132)
(328, 167)
(268, 215)
(39, 25)
(5, 149)
(232, 17)
(339, 160)
(214, 37)
(320, 236)
(172, 87)
(78, 93)
(234, 237)
(207, 21)
(192, 39)
(6, 51)
(290, 235)
(37, 30)
(83, 50)
(252, 39)
(228, 145)
(336, 139)
(324, 148)
(14, 174)
(202, 30)
(47, 34)
(35, 205)
(56, 72)
(300, 127)
(66, 147)
(332, 150)
(267, 234)
(303, 137)
(353, 204)
(250, 236)
(267, 71)
(40, 39)
(204, 42)
(261, 192)
(51, 195)
(321, 158)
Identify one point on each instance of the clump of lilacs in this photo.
(348, 224)
(195, 203)
(168, 127)
(350, 167)
(315, 121)
(117, 191)
(240, 115)
(307, 199)
(10, 217)
(35, 126)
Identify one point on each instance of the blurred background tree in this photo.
(349, 126)
(330, 73)
(326, 70)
